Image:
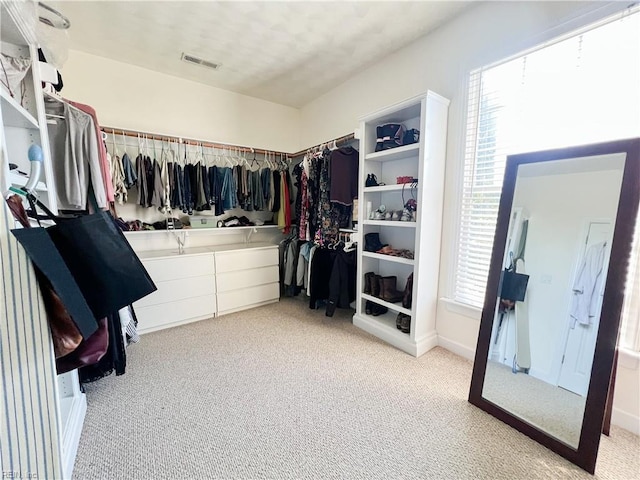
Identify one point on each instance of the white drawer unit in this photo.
(229, 281)
(178, 312)
(246, 278)
(186, 291)
(236, 300)
(246, 259)
(205, 282)
(172, 290)
(179, 266)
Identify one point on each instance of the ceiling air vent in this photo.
(199, 61)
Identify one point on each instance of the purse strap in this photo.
(33, 213)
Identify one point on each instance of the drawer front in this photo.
(246, 259)
(155, 316)
(226, 282)
(247, 296)
(163, 269)
(172, 290)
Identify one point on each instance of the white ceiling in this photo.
(284, 52)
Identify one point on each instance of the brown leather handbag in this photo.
(66, 336)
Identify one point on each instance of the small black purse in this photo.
(513, 286)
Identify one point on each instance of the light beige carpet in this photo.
(552, 409)
(285, 392)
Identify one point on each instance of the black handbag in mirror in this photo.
(513, 286)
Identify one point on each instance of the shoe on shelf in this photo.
(368, 308)
(375, 285)
(408, 292)
(388, 290)
(377, 310)
(372, 242)
(405, 323)
(407, 216)
(368, 278)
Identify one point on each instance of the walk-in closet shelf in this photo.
(425, 162)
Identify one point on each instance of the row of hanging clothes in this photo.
(324, 273)
(195, 178)
(327, 184)
(319, 259)
(79, 157)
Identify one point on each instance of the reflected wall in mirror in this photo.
(554, 294)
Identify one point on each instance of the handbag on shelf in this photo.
(389, 135)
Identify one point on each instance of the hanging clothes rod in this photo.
(338, 142)
(188, 141)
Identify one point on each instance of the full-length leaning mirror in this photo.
(555, 291)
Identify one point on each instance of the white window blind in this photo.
(581, 89)
(630, 330)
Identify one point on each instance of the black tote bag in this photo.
(103, 264)
(45, 256)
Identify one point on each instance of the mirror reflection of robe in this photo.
(585, 296)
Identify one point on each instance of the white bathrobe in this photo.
(585, 292)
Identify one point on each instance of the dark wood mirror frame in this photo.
(603, 362)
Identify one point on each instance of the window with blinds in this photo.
(630, 330)
(579, 89)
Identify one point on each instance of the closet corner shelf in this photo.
(394, 153)
(388, 258)
(388, 188)
(14, 114)
(396, 307)
(226, 230)
(390, 223)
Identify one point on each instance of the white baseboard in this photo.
(456, 347)
(247, 307)
(625, 420)
(426, 343)
(71, 435)
(177, 323)
(394, 337)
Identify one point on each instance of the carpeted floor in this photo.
(539, 403)
(285, 392)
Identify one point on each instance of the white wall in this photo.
(441, 61)
(127, 96)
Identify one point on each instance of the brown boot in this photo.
(388, 290)
(408, 292)
(376, 280)
(368, 278)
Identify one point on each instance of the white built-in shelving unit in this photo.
(22, 124)
(425, 161)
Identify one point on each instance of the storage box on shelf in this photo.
(420, 231)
